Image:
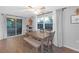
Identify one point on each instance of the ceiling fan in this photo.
(39, 10)
(36, 9)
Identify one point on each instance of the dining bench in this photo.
(35, 43)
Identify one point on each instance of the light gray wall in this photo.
(34, 23)
(54, 27)
(1, 29)
(24, 26)
(71, 31)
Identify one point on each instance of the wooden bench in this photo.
(35, 43)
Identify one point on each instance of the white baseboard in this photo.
(55, 44)
(71, 48)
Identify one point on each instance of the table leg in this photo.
(42, 46)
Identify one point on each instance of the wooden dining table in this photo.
(41, 36)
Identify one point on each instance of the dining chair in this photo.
(49, 41)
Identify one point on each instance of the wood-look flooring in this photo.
(18, 45)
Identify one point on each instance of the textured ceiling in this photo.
(23, 11)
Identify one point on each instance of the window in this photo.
(45, 23)
(48, 23)
(14, 26)
(40, 23)
(40, 26)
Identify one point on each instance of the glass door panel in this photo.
(19, 26)
(10, 26)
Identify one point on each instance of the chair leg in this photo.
(48, 46)
(51, 46)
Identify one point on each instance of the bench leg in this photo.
(35, 50)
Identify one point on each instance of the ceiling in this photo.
(23, 11)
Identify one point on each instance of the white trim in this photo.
(71, 48)
(14, 36)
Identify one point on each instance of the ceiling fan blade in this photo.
(43, 7)
(30, 6)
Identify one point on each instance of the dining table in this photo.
(40, 36)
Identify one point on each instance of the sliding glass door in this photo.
(10, 26)
(14, 26)
(19, 26)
